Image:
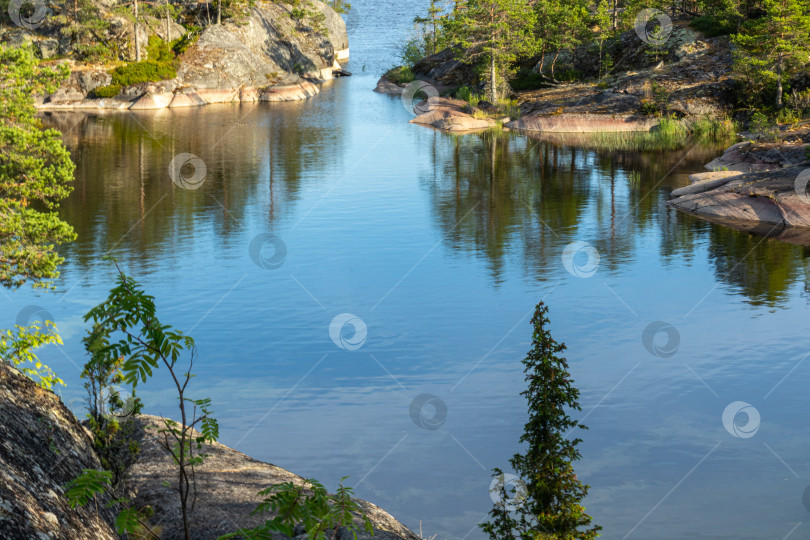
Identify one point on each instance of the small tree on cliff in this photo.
(497, 32)
(549, 507)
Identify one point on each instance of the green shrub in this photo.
(467, 94)
(527, 80)
(400, 75)
(96, 52)
(787, 116)
(181, 45)
(569, 75)
(146, 71)
(712, 25)
(107, 91)
(717, 129)
(160, 65)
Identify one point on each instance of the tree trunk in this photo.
(779, 69)
(556, 55)
(137, 37)
(493, 91)
(219, 11)
(168, 24)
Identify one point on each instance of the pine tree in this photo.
(36, 173)
(497, 32)
(551, 506)
(433, 19)
(776, 45)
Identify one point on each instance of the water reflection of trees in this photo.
(256, 168)
(498, 195)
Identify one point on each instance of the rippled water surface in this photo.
(442, 246)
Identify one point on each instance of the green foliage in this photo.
(713, 128)
(36, 174)
(17, 348)
(400, 75)
(109, 91)
(160, 65)
(497, 33)
(308, 504)
(416, 47)
(92, 484)
(771, 48)
(86, 487)
(787, 117)
(181, 44)
(551, 505)
(127, 335)
(469, 95)
(430, 36)
(110, 415)
(713, 25)
(528, 79)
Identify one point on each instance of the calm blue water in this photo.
(442, 246)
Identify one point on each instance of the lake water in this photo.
(439, 247)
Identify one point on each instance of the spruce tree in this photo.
(551, 505)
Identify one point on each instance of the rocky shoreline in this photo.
(266, 57)
(755, 183)
(43, 447)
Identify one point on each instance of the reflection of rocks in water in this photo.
(254, 158)
(505, 196)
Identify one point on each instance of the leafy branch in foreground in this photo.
(548, 503)
(321, 514)
(92, 483)
(17, 348)
(125, 326)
